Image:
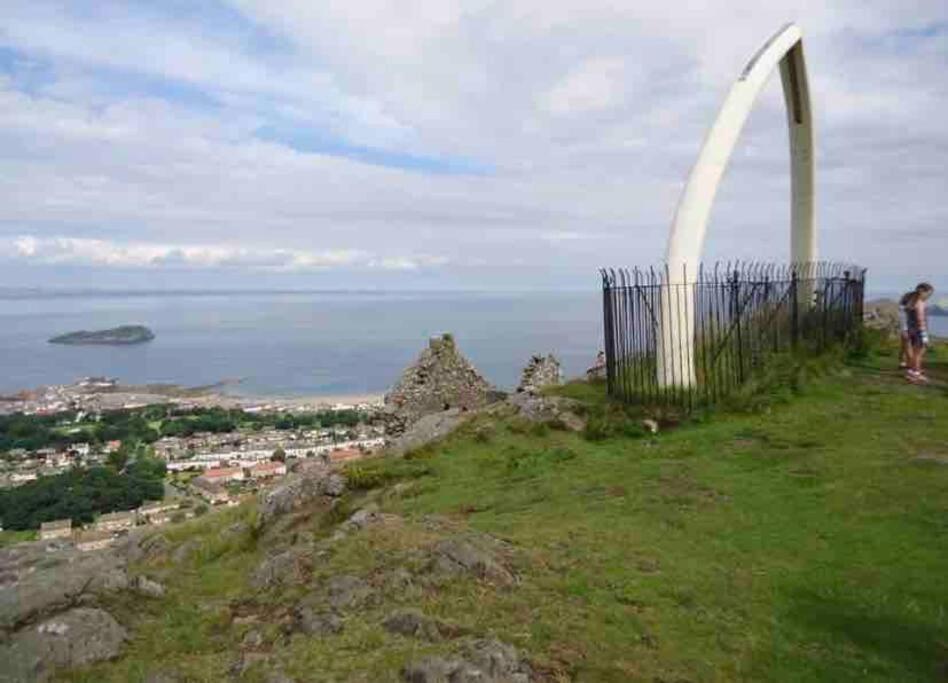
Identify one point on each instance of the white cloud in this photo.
(106, 253)
(589, 115)
(594, 85)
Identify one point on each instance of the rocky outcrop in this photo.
(541, 371)
(299, 489)
(39, 579)
(426, 430)
(414, 624)
(313, 622)
(148, 587)
(466, 556)
(286, 568)
(556, 411)
(53, 598)
(74, 638)
(882, 314)
(346, 592)
(440, 379)
(484, 661)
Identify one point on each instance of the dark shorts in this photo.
(915, 338)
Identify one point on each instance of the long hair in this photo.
(911, 298)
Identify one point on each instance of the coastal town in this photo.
(98, 394)
(207, 460)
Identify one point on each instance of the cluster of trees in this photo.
(34, 431)
(220, 420)
(81, 494)
(147, 425)
(60, 430)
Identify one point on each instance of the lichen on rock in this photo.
(483, 660)
(70, 639)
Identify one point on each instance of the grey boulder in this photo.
(480, 661)
(298, 490)
(74, 638)
(41, 578)
(460, 555)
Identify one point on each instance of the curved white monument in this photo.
(686, 239)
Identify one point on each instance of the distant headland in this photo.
(116, 336)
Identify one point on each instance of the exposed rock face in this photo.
(316, 623)
(427, 429)
(441, 378)
(412, 623)
(550, 410)
(38, 579)
(541, 371)
(51, 603)
(138, 546)
(79, 636)
(882, 314)
(147, 587)
(464, 556)
(484, 661)
(298, 490)
(347, 592)
(287, 568)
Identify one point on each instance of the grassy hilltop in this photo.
(803, 540)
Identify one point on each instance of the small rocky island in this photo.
(115, 336)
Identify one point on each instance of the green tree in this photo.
(118, 459)
(80, 494)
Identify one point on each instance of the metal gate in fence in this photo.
(728, 320)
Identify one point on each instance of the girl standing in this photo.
(917, 324)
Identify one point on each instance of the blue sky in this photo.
(446, 144)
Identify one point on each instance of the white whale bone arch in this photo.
(675, 353)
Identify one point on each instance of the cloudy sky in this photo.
(445, 144)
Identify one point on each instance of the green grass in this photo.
(11, 536)
(801, 539)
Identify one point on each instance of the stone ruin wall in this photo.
(541, 371)
(440, 379)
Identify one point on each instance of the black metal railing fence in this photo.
(690, 341)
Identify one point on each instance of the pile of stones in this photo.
(541, 371)
(440, 379)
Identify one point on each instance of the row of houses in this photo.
(211, 485)
(106, 526)
(47, 462)
(248, 459)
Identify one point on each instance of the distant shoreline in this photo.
(210, 395)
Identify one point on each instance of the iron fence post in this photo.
(794, 310)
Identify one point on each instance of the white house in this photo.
(58, 528)
(115, 521)
(93, 540)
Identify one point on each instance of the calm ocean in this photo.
(294, 343)
(290, 343)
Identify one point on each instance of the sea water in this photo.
(303, 343)
(294, 343)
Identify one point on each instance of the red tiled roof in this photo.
(222, 472)
(345, 455)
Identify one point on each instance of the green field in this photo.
(804, 541)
